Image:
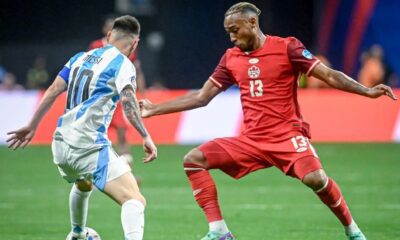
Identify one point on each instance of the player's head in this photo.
(125, 34)
(241, 23)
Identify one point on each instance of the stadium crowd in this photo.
(373, 71)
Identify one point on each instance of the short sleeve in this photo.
(64, 73)
(221, 76)
(125, 76)
(301, 59)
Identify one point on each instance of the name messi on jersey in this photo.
(92, 59)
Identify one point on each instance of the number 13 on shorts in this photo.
(302, 144)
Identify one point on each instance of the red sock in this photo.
(333, 198)
(204, 191)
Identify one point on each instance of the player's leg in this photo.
(113, 176)
(81, 189)
(329, 193)
(204, 189)
(125, 191)
(78, 207)
(218, 154)
(300, 160)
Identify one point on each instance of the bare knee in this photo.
(129, 195)
(195, 156)
(138, 197)
(316, 180)
(84, 185)
(143, 200)
(124, 188)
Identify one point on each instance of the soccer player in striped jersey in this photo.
(266, 69)
(95, 81)
(118, 122)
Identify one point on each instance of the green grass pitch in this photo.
(263, 205)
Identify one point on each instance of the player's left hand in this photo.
(20, 137)
(380, 90)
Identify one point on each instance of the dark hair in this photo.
(127, 24)
(243, 7)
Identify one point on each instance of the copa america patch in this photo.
(253, 72)
(307, 54)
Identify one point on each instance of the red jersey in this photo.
(268, 81)
(99, 43)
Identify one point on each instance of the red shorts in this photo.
(118, 120)
(238, 156)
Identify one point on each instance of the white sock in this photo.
(132, 218)
(78, 208)
(351, 229)
(218, 226)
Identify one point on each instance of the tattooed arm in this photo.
(343, 82)
(131, 110)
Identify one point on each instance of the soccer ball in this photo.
(91, 235)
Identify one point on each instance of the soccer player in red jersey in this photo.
(266, 69)
(118, 121)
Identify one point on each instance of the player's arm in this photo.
(341, 81)
(131, 110)
(192, 100)
(21, 137)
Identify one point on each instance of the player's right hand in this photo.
(150, 149)
(380, 90)
(20, 137)
(146, 108)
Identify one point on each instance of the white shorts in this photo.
(98, 164)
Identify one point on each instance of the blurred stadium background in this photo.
(181, 43)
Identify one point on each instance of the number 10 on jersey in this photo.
(256, 88)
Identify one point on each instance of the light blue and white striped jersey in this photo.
(95, 79)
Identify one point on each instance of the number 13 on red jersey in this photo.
(256, 88)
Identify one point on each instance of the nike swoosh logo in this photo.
(197, 191)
